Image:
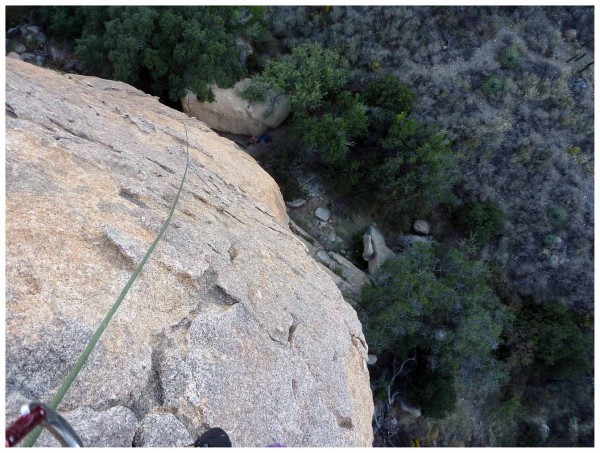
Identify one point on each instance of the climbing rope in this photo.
(60, 394)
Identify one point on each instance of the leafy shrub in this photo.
(557, 216)
(280, 163)
(389, 93)
(386, 96)
(559, 347)
(326, 118)
(331, 132)
(510, 57)
(255, 64)
(433, 392)
(16, 15)
(493, 85)
(307, 76)
(551, 240)
(482, 220)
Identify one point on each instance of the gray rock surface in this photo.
(231, 323)
(327, 260)
(14, 55)
(230, 113)
(352, 274)
(114, 427)
(406, 240)
(421, 226)
(161, 430)
(18, 47)
(28, 57)
(322, 214)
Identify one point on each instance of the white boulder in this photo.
(230, 113)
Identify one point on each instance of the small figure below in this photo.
(264, 138)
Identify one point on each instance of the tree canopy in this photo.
(174, 47)
(442, 309)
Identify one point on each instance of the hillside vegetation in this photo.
(477, 119)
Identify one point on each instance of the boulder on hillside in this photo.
(375, 249)
(230, 323)
(421, 226)
(230, 113)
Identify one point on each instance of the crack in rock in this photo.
(164, 167)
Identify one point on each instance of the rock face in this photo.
(232, 114)
(231, 323)
(112, 428)
(162, 430)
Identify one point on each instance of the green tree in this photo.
(331, 132)
(389, 93)
(433, 392)
(307, 76)
(326, 118)
(560, 348)
(443, 308)
(415, 169)
(557, 216)
(168, 48)
(386, 96)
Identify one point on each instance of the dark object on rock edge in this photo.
(214, 437)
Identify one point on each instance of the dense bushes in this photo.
(511, 127)
(326, 118)
(510, 111)
(386, 96)
(557, 216)
(550, 353)
(433, 392)
(558, 346)
(442, 310)
(162, 49)
(409, 171)
(415, 169)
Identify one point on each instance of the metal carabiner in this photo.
(34, 414)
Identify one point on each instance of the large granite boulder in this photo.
(231, 323)
(230, 113)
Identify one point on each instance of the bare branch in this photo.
(395, 374)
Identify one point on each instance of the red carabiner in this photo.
(34, 414)
(16, 432)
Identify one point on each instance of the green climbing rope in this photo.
(56, 400)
